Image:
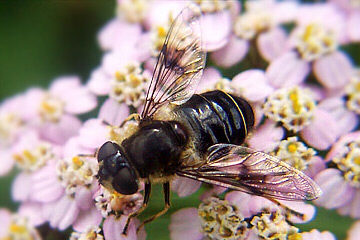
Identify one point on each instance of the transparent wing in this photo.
(179, 65)
(253, 172)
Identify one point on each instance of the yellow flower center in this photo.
(219, 220)
(51, 108)
(133, 10)
(33, 159)
(10, 124)
(314, 41)
(129, 85)
(293, 107)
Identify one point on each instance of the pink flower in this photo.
(214, 35)
(54, 111)
(316, 41)
(113, 228)
(341, 185)
(16, 226)
(260, 23)
(266, 137)
(195, 224)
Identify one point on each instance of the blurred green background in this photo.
(43, 39)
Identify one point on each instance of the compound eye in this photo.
(125, 182)
(106, 150)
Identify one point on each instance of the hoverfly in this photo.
(197, 136)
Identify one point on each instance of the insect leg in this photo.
(166, 189)
(145, 202)
(288, 210)
(135, 116)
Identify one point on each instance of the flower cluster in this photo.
(287, 59)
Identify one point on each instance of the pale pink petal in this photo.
(258, 112)
(79, 101)
(333, 70)
(354, 231)
(318, 134)
(6, 162)
(33, 98)
(352, 209)
(115, 60)
(159, 12)
(307, 210)
(61, 131)
(5, 219)
(76, 97)
(339, 146)
(63, 84)
(45, 185)
(252, 85)
(63, 213)
(33, 212)
(316, 235)
(346, 120)
(316, 165)
(113, 112)
(241, 201)
(73, 148)
(336, 192)
(113, 229)
(232, 53)
(287, 70)
(215, 35)
(353, 28)
(119, 34)
(271, 44)
(266, 137)
(284, 11)
(89, 218)
(326, 15)
(214, 191)
(184, 186)
(185, 224)
(83, 198)
(93, 133)
(21, 187)
(210, 77)
(99, 82)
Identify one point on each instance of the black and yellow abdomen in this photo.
(216, 117)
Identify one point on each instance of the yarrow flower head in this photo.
(15, 226)
(314, 40)
(10, 124)
(348, 161)
(273, 225)
(353, 93)
(239, 216)
(129, 85)
(76, 172)
(117, 204)
(93, 233)
(303, 89)
(219, 220)
(294, 153)
(293, 107)
(35, 158)
(133, 11)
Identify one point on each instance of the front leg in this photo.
(134, 116)
(145, 202)
(166, 190)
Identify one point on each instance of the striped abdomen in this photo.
(216, 117)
